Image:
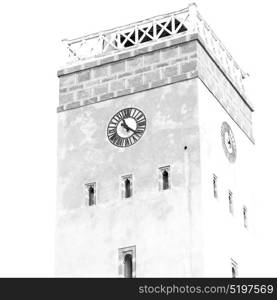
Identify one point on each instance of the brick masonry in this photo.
(224, 92)
(151, 67)
(129, 75)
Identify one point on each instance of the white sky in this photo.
(31, 53)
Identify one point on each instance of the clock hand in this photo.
(123, 124)
(134, 131)
(229, 140)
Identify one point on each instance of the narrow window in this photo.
(128, 193)
(234, 269)
(164, 178)
(128, 266)
(215, 186)
(127, 262)
(231, 205)
(91, 192)
(245, 221)
(127, 186)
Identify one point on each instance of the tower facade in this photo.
(154, 153)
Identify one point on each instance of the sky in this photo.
(31, 53)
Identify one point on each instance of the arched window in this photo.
(128, 266)
(165, 180)
(231, 206)
(215, 185)
(234, 269)
(127, 188)
(245, 221)
(91, 194)
(234, 275)
(127, 262)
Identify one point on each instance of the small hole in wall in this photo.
(185, 147)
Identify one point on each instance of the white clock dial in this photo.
(228, 142)
(126, 127)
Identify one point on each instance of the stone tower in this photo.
(154, 153)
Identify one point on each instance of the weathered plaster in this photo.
(225, 237)
(159, 223)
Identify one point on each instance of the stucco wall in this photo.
(162, 225)
(224, 91)
(224, 234)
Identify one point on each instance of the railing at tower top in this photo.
(127, 36)
(182, 22)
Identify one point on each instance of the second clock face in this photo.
(126, 127)
(228, 142)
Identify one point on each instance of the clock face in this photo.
(126, 127)
(228, 142)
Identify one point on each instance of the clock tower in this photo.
(154, 153)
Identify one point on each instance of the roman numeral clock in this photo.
(126, 127)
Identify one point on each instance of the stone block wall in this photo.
(151, 67)
(127, 76)
(224, 91)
